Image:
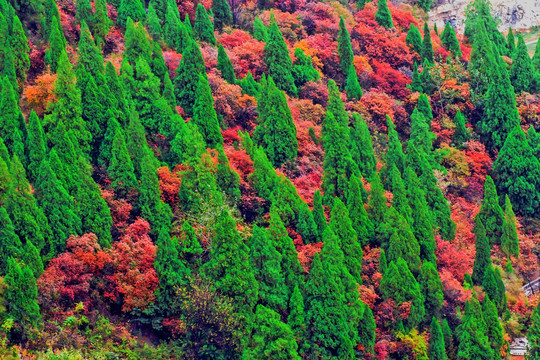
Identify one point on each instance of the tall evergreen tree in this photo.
(153, 209)
(383, 15)
(152, 23)
(482, 258)
(306, 226)
(84, 12)
(303, 70)
(224, 64)
(511, 42)
(222, 14)
(362, 147)
(57, 45)
(436, 341)
(318, 213)
(460, 132)
(394, 154)
(450, 41)
(278, 60)
(533, 334)
(360, 221)
(427, 45)
(509, 237)
(352, 86)
(416, 84)
(12, 125)
(414, 39)
(204, 114)
(21, 294)
(121, 169)
(491, 214)
(259, 30)
(473, 342)
(425, 5)
(400, 241)
(344, 48)
(522, 71)
(187, 81)
(203, 29)
(130, 9)
(296, 318)
(432, 289)
(102, 23)
(494, 328)
(10, 243)
(19, 48)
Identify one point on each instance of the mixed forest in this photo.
(270, 179)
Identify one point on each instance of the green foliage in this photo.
(517, 171)
(401, 242)
(432, 289)
(153, 209)
(377, 202)
(448, 339)
(204, 114)
(479, 11)
(11, 120)
(306, 225)
(278, 60)
(303, 70)
(57, 43)
(360, 221)
(203, 29)
(536, 58)
(172, 29)
(533, 334)
(362, 147)
(482, 258)
(130, 9)
(383, 15)
(509, 236)
(414, 39)
(450, 41)
(318, 213)
(296, 318)
(121, 170)
(189, 247)
(224, 63)
(264, 178)
(352, 86)
(84, 12)
(102, 23)
(153, 24)
(491, 214)
(222, 14)
(394, 154)
(436, 341)
(399, 195)
(21, 294)
(186, 81)
(427, 45)
(473, 342)
(460, 133)
(494, 328)
(522, 71)
(249, 85)
(494, 287)
(416, 84)
(10, 244)
(481, 60)
(421, 136)
(344, 48)
(18, 46)
(425, 4)
(259, 30)
(276, 131)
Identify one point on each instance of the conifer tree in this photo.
(517, 171)
(394, 154)
(491, 214)
(224, 64)
(204, 114)
(383, 15)
(105, 149)
(172, 28)
(318, 214)
(416, 84)
(266, 263)
(36, 145)
(362, 147)
(189, 248)
(533, 334)
(344, 48)
(352, 86)
(153, 24)
(377, 207)
(421, 136)
(511, 42)
(152, 207)
(203, 29)
(481, 60)
(187, 24)
(494, 287)
(509, 237)
(12, 125)
(536, 58)
(303, 70)
(10, 243)
(522, 71)
(431, 286)
(57, 43)
(399, 284)
(272, 339)
(448, 339)
(263, 179)
(399, 195)
(32, 258)
(229, 265)
(482, 258)
(222, 14)
(494, 328)
(449, 39)
(259, 30)
(84, 12)
(278, 60)
(296, 318)
(19, 48)
(401, 243)
(473, 342)
(121, 169)
(89, 62)
(360, 221)
(21, 294)
(102, 23)
(130, 9)
(306, 225)
(427, 45)
(436, 341)
(186, 82)
(425, 5)
(414, 39)
(51, 11)
(276, 131)
(460, 133)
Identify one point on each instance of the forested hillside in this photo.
(285, 179)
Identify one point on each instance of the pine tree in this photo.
(203, 29)
(344, 48)
(249, 85)
(224, 64)
(448, 339)
(266, 263)
(278, 60)
(10, 243)
(229, 265)
(276, 131)
(536, 58)
(522, 71)
(187, 24)
(186, 82)
(401, 243)
(511, 42)
(272, 339)
(416, 84)
(318, 214)
(377, 207)
(341, 224)
(421, 136)
(509, 237)
(21, 294)
(482, 258)
(303, 70)
(352, 86)
(399, 284)
(399, 195)
(222, 14)
(189, 247)
(296, 318)
(57, 43)
(383, 15)
(450, 41)
(358, 214)
(426, 6)
(153, 24)
(306, 226)
(172, 28)
(516, 172)
(481, 60)
(533, 334)
(153, 209)
(494, 328)
(51, 11)
(259, 30)
(394, 154)
(121, 169)
(494, 287)
(84, 12)
(414, 39)
(362, 147)
(436, 341)
(89, 62)
(460, 133)
(427, 45)
(431, 286)
(12, 125)
(19, 48)
(130, 9)
(491, 214)
(102, 23)
(473, 342)
(264, 178)
(204, 114)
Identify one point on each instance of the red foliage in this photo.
(246, 53)
(390, 81)
(240, 161)
(120, 208)
(317, 91)
(306, 254)
(169, 184)
(379, 105)
(172, 60)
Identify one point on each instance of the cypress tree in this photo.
(121, 169)
(494, 328)
(272, 339)
(36, 145)
(318, 214)
(426, 6)
(534, 141)
(84, 12)
(383, 15)
(509, 237)
(436, 341)
(426, 78)
(186, 82)
(51, 11)
(450, 41)
(153, 24)
(360, 221)
(536, 58)
(522, 71)
(399, 195)
(517, 171)
(482, 258)
(352, 86)
(401, 242)
(203, 29)
(431, 286)
(533, 334)
(152, 207)
(460, 133)
(394, 154)
(172, 28)
(259, 30)
(427, 45)
(266, 263)
(493, 286)
(19, 48)
(399, 284)
(187, 24)
(276, 131)
(303, 70)
(296, 318)
(224, 64)
(10, 243)
(12, 125)
(414, 39)
(278, 60)
(105, 149)
(222, 14)
(306, 226)
(204, 114)
(448, 339)
(130, 9)
(21, 294)
(32, 258)
(102, 23)
(249, 85)
(473, 342)
(491, 214)
(57, 43)
(416, 84)
(481, 60)
(421, 136)
(229, 265)
(89, 61)
(377, 207)
(511, 42)
(263, 179)
(362, 147)
(344, 48)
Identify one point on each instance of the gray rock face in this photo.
(518, 14)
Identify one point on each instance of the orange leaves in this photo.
(41, 93)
